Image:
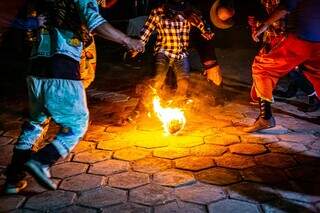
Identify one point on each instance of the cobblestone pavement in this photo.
(211, 166)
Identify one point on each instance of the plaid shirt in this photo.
(278, 27)
(173, 34)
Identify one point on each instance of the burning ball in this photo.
(175, 126)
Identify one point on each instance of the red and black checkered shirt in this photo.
(173, 34)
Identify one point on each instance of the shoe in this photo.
(41, 173)
(260, 124)
(15, 188)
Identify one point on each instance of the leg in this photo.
(31, 132)
(182, 71)
(65, 100)
(312, 73)
(161, 69)
(267, 69)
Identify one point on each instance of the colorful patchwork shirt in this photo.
(64, 37)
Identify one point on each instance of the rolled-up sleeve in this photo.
(290, 5)
(89, 12)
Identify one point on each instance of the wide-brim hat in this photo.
(215, 18)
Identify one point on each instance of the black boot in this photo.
(16, 172)
(265, 119)
(39, 164)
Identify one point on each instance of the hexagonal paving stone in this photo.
(201, 193)
(82, 182)
(151, 195)
(179, 207)
(308, 158)
(114, 145)
(73, 209)
(50, 200)
(264, 175)
(109, 167)
(235, 161)
(276, 160)
(131, 154)
(128, 180)
(173, 178)
(6, 159)
(11, 202)
(300, 191)
(282, 205)
(92, 156)
(315, 145)
(151, 165)
(252, 192)
(233, 130)
(194, 163)
(221, 123)
(259, 138)
(185, 141)
(68, 169)
(102, 197)
(286, 147)
(222, 139)
(154, 139)
(83, 146)
(247, 149)
(298, 138)
(218, 176)
(229, 205)
(171, 152)
(305, 173)
(99, 136)
(5, 140)
(128, 207)
(208, 150)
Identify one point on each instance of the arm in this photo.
(89, 13)
(108, 32)
(278, 14)
(198, 22)
(149, 26)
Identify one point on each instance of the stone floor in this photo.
(211, 166)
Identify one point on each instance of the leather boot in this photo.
(265, 119)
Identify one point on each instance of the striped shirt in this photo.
(173, 34)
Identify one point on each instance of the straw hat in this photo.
(221, 18)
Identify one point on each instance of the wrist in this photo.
(126, 40)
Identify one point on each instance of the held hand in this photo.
(208, 35)
(42, 20)
(261, 29)
(135, 45)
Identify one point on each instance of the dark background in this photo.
(15, 49)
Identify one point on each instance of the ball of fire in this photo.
(173, 119)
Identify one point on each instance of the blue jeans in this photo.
(64, 101)
(181, 69)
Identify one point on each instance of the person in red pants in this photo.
(302, 46)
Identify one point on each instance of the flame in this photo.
(173, 119)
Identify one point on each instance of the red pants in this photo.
(268, 68)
